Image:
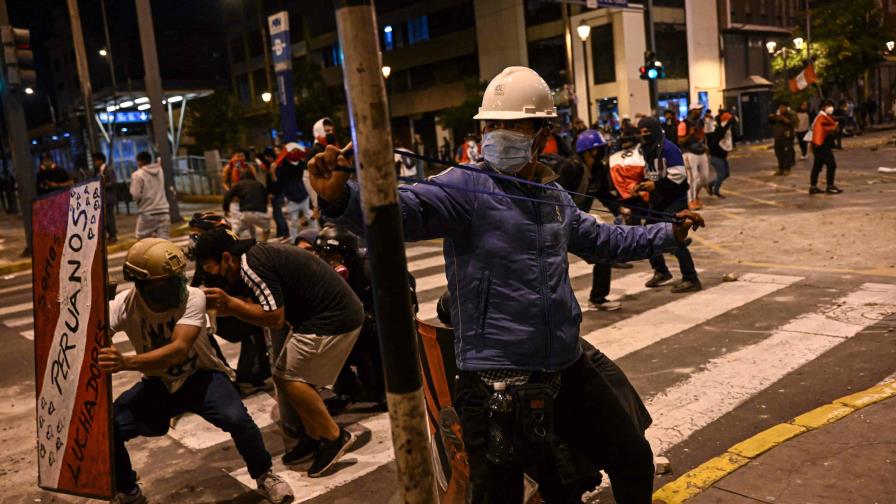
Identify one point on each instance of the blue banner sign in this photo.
(124, 117)
(281, 53)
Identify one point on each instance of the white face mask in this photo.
(508, 151)
(829, 110)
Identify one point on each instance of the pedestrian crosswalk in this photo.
(709, 388)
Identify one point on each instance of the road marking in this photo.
(29, 334)
(647, 328)
(19, 322)
(193, 432)
(365, 459)
(751, 198)
(419, 250)
(429, 262)
(180, 241)
(438, 280)
(6, 310)
(727, 381)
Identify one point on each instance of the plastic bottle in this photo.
(500, 427)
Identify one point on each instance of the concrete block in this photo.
(766, 440)
(822, 415)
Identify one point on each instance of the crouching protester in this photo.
(166, 322)
(291, 285)
(516, 319)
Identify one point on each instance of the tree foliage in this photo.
(460, 118)
(847, 41)
(215, 121)
(313, 99)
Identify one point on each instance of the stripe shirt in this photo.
(315, 299)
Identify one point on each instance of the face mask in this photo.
(829, 110)
(168, 295)
(507, 151)
(294, 156)
(342, 270)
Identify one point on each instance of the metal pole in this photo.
(19, 147)
(153, 82)
(587, 82)
(372, 141)
(651, 46)
(114, 86)
(567, 43)
(808, 32)
(83, 75)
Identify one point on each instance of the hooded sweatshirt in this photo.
(148, 190)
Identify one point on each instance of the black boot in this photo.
(659, 278)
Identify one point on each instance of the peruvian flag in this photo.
(805, 79)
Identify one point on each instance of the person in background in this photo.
(290, 173)
(253, 198)
(692, 142)
(670, 126)
(445, 150)
(419, 148)
(51, 177)
(306, 240)
(721, 142)
(824, 129)
(803, 121)
(783, 123)
(236, 169)
(109, 180)
(148, 192)
(270, 157)
(405, 166)
(8, 190)
(470, 151)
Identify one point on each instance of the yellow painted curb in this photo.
(822, 415)
(766, 440)
(699, 479)
(707, 474)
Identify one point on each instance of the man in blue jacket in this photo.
(516, 319)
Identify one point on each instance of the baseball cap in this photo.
(212, 244)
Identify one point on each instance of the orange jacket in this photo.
(822, 127)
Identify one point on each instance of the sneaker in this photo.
(304, 450)
(330, 452)
(337, 404)
(833, 190)
(690, 285)
(135, 496)
(604, 305)
(815, 190)
(274, 488)
(694, 205)
(623, 265)
(658, 279)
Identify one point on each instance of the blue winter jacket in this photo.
(506, 261)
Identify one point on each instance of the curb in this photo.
(708, 473)
(121, 245)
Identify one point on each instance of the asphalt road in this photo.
(810, 318)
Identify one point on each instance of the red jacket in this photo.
(822, 127)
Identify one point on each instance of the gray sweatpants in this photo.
(158, 225)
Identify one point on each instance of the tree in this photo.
(215, 122)
(460, 118)
(313, 99)
(847, 41)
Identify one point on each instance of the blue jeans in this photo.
(147, 408)
(685, 261)
(722, 172)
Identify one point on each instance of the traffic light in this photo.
(18, 60)
(652, 68)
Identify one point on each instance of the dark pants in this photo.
(367, 383)
(685, 261)
(824, 156)
(600, 282)
(785, 154)
(723, 170)
(804, 145)
(590, 420)
(279, 218)
(253, 366)
(111, 226)
(148, 407)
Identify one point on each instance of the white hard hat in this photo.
(291, 146)
(696, 106)
(517, 93)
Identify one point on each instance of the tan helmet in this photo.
(517, 93)
(152, 258)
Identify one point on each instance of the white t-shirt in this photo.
(148, 330)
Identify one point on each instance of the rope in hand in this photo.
(654, 215)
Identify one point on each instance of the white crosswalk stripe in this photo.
(715, 388)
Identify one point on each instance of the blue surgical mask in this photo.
(508, 151)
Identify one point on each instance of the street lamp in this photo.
(387, 71)
(771, 45)
(29, 91)
(798, 43)
(584, 30)
(104, 52)
(266, 97)
(891, 45)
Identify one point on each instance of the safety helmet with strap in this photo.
(517, 93)
(589, 139)
(154, 258)
(338, 239)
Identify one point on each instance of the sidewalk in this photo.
(841, 452)
(12, 234)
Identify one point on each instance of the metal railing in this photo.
(192, 176)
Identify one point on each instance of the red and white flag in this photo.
(73, 395)
(805, 79)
